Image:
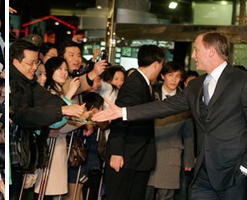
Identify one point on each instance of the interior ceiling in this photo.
(30, 9)
(39, 8)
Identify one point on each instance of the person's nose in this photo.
(35, 66)
(193, 55)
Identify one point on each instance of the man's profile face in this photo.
(28, 65)
(73, 57)
(200, 54)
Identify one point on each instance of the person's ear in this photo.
(212, 51)
(156, 64)
(16, 62)
(162, 77)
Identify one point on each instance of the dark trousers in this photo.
(153, 193)
(127, 184)
(15, 188)
(202, 188)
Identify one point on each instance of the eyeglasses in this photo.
(36, 63)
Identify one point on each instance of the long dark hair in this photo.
(109, 73)
(51, 66)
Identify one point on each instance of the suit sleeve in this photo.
(244, 107)
(188, 140)
(159, 109)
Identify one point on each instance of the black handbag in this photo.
(24, 150)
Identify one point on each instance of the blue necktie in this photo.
(205, 89)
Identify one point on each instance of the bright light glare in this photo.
(173, 5)
(223, 3)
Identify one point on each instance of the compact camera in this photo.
(102, 55)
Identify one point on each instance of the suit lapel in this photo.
(221, 85)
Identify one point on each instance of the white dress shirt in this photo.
(216, 75)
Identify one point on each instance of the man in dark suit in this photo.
(219, 106)
(131, 147)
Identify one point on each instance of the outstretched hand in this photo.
(110, 113)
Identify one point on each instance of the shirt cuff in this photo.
(89, 81)
(243, 170)
(124, 113)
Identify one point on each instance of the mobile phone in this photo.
(76, 73)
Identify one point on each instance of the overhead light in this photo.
(68, 32)
(56, 23)
(99, 7)
(223, 3)
(173, 5)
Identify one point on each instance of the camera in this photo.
(76, 73)
(102, 56)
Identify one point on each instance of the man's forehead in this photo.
(179, 72)
(73, 49)
(29, 53)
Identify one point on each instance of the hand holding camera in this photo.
(73, 87)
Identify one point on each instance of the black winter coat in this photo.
(31, 105)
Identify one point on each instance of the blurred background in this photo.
(122, 26)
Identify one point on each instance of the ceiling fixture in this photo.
(99, 7)
(173, 5)
(223, 3)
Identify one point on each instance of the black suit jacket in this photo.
(222, 137)
(133, 140)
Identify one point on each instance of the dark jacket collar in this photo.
(15, 74)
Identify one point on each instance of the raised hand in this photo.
(116, 162)
(73, 87)
(99, 67)
(110, 113)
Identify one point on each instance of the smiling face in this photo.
(28, 65)
(61, 74)
(201, 54)
(73, 57)
(171, 80)
(118, 79)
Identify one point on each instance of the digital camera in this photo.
(102, 55)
